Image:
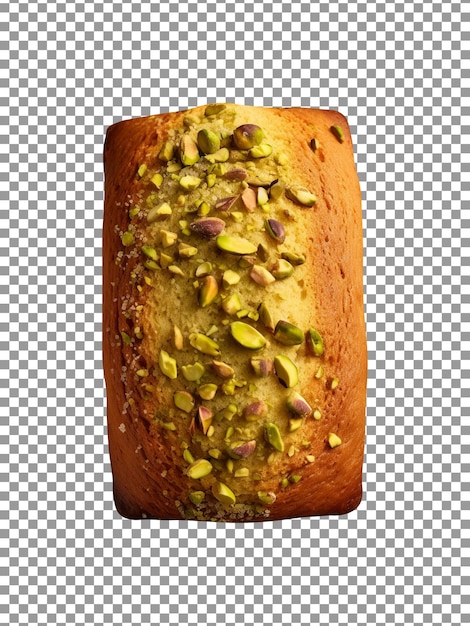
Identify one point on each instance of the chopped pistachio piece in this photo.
(262, 367)
(288, 334)
(126, 340)
(267, 497)
(178, 338)
(261, 276)
(220, 156)
(214, 109)
(242, 472)
(247, 136)
(231, 304)
(207, 391)
(204, 418)
(194, 372)
(337, 132)
(186, 251)
(208, 291)
(333, 440)
(314, 144)
(204, 344)
(301, 196)
(183, 400)
(174, 269)
(207, 141)
(314, 342)
(167, 365)
(150, 252)
(190, 182)
(222, 369)
(235, 245)
(273, 436)
(298, 405)
(207, 227)
(187, 456)
(317, 414)
(159, 212)
(261, 151)
(255, 410)
(167, 151)
(295, 478)
(196, 497)
(286, 371)
(141, 171)
(230, 278)
(249, 199)
(275, 230)
(168, 238)
(204, 269)
(262, 196)
(223, 493)
(282, 269)
(189, 153)
(247, 336)
(157, 180)
(293, 258)
(242, 449)
(295, 424)
(199, 469)
(127, 238)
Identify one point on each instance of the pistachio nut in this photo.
(255, 410)
(230, 278)
(207, 227)
(242, 449)
(204, 418)
(157, 180)
(247, 336)
(196, 497)
(127, 238)
(126, 339)
(314, 144)
(186, 251)
(276, 190)
(167, 365)
(211, 180)
(203, 209)
(249, 199)
(207, 391)
(295, 424)
(204, 344)
(262, 367)
(293, 257)
(214, 109)
(262, 196)
(337, 132)
(167, 151)
(208, 291)
(223, 493)
(189, 153)
(333, 440)
(261, 276)
(247, 136)
(265, 317)
(178, 338)
(193, 372)
(187, 456)
(273, 436)
(288, 334)
(174, 269)
(220, 156)
(150, 252)
(282, 269)
(183, 400)
(223, 370)
(317, 414)
(275, 230)
(141, 170)
(267, 497)
(314, 342)
(231, 304)
(295, 478)
(301, 196)
(237, 174)
(298, 405)
(168, 238)
(204, 269)
(262, 252)
(286, 371)
(225, 204)
(190, 183)
(199, 469)
(242, 472)
(235, 245)
(261, 151)
(159, 212)
(207, 141)
(247, 261)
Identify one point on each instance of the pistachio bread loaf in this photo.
(234, 336)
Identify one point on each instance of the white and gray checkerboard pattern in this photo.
(397, 70)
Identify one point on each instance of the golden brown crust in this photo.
(149, 471)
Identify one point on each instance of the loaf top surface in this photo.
(234, 339)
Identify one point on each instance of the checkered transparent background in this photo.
(397, 70)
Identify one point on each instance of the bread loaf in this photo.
(234, 336)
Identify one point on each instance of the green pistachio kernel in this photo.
(168, 238)
(167, 365)
(333, 440)
(247, 336)
(242, 472)
(157, 180)
(314, 342)
(189, 153)
(187, 456)
(186, 251)
(273, 436)
(204, 269)
(222, 369)
(301, 196)
(150, 252)
(168, 425)
(208, 291)
(167, 151)
(214, 109)
(223, 493)
(199, 469)
(247, 136)
(190, 182)
(266, 317)
(220, 156)
(295, 424)
(141, 171)
(126, 340)
(230, 278)
(207, 141)
(235, 245)
(159, 212)
(267, 497)
(196, 497)
(207, 391)
(286, 371)
(134, 212)
(293, 257)
(183, 400)
(282, 269)
(261, 151)
(204, 344)
(211, 180)
(288, 334)
(337, 132)
(193, 372)
(127, 238)
(231, 304)
(295, 478)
